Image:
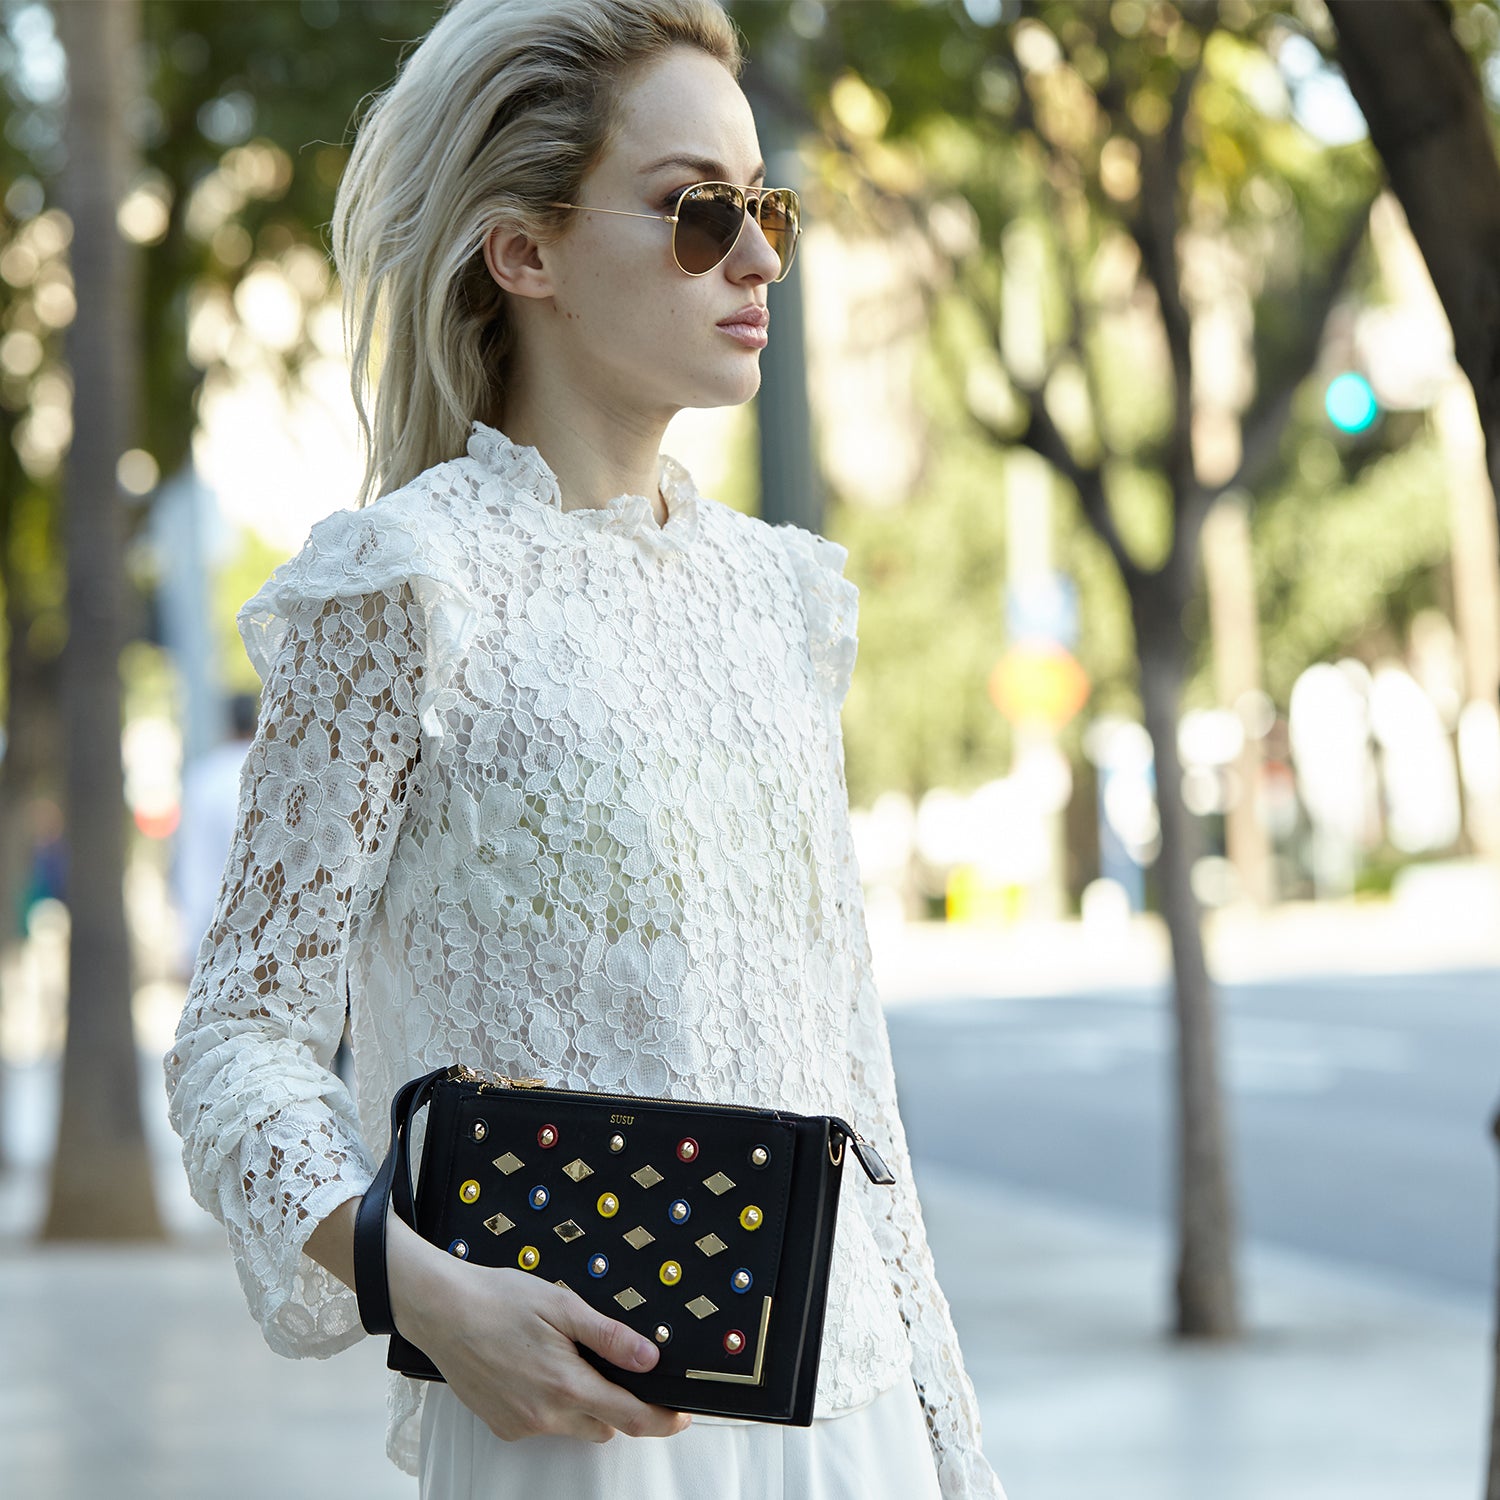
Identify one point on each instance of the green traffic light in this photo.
(1350, 402)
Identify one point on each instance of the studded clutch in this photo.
(708, 1228)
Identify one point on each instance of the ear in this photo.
(514, 260)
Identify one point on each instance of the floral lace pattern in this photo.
(558, 793)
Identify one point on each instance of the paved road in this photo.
(1358, 1109)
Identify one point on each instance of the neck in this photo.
(597, 455)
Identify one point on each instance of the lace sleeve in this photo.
(943, 1385)
(271, 1136)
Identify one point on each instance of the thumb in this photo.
(619, 1344)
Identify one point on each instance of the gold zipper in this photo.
(486, 1079)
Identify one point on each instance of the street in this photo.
(1358, 1109)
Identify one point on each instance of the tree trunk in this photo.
(101, 1171)
(1207, 1301)
(1426, 111)
(1422, 100)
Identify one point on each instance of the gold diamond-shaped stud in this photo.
(567, 1230)
(498, 1224)
(711, 1244)
(639, 1237)
(578, 1169)
(718, 1183)
(509, 1162)
(647, 1176)
(700, 1307)
(629, 1298)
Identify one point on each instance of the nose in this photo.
(754, 259)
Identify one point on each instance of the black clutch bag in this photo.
(708, 1228)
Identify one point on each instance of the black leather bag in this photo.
(708, 1228)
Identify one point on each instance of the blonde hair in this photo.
(503, 109)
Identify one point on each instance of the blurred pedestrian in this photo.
(205, 829)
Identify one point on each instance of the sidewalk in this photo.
(136, 1372)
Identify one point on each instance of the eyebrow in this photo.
(713, 171)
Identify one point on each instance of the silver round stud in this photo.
(617, 1143)
(479, 1130)
(663, 1333)
(759, 1156)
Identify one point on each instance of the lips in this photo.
(751, 316)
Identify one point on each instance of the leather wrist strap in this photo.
(392, 1183)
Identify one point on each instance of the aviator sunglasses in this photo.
(711, 216)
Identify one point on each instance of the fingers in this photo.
(619, 1344)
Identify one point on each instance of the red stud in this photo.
(546, 1137)
(687, 1149)
(734, 1342)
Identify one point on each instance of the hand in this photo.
(504, 1341)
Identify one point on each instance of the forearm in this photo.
(415, 1269)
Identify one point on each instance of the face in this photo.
(618, 316)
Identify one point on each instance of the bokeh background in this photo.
(1120, 354)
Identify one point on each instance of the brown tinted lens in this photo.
(780, 222)
(709, 219)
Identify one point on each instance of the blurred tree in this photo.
(1188, 228)
(1415, 80)
(1417, 86)
(102, 1184)
(234, 175)
(35, 301)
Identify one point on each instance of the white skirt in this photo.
(878, 1452)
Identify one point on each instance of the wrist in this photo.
(416, 1273)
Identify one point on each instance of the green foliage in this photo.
(252, 109)
(1051, 122)
(1342, 568)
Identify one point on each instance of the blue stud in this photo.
(679, 1210)
(460, 1248)
(598, 1265)
(540, 1196)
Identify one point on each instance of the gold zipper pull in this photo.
(523, 1083)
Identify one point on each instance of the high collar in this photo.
(526, 473)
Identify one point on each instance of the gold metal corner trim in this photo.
(757, 1371)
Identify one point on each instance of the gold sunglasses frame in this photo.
(759, 195)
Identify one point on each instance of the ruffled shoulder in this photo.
(832, 605)
(399, 539)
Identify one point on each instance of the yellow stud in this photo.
(469, 1191)
(529, 1258)
(608, 1205)
(750, 1217)
(670, 1273)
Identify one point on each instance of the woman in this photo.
(549, 768)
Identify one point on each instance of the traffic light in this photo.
(1350, 402)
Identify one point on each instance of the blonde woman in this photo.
(549, 771)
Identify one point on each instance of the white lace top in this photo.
(562, 792)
